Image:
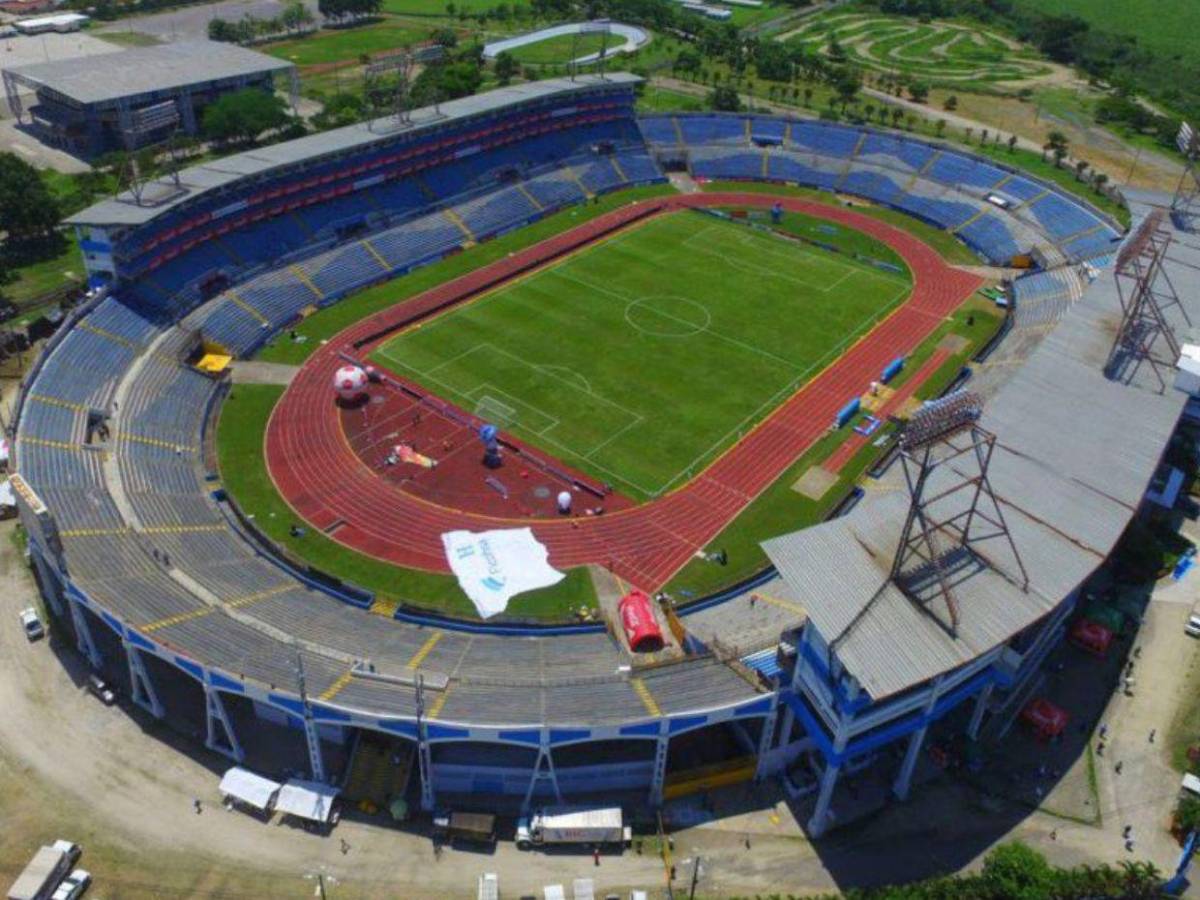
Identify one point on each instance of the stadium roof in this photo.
(1074, 456)
(109, 77)
(123, 210)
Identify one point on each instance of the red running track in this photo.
(334, 491)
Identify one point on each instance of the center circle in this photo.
(667, 315)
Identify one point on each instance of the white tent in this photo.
(8, 497)
(246, 787)
(4, 452)
(307, 800)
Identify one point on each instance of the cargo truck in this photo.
(556, 825)
(478, 828)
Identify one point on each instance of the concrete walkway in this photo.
(252, 372)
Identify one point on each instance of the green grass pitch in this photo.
(641, 358)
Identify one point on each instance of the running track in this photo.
(325, 482)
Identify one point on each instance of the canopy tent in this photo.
(1092, 637)
(8, 496)
(246, 787)
(1047, 720)
(307, 800)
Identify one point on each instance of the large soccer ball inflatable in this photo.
(350, 382)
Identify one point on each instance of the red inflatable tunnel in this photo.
(637, 617)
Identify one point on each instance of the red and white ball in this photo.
(350, 382)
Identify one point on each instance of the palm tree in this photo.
(1080, 168)
(1012, 143)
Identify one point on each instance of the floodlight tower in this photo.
(1146, 293)
(604, 29)
(952, 508)
(400, 64)
(1185, 207)
(136, 126)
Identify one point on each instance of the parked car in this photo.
(31, 624)
(73, 885)
(99, 688)
(1192, 628)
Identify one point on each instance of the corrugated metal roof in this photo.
(108, 77)
(125, 211)
(1075, 453)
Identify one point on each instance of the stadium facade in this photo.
(91, 105)
(818, 662)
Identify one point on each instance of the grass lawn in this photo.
(438, 7)
(127, 38)
(1167, 27)
(240, 433)
(563, 49)
(656, 99)
(688, 307)
(337, 44)
(951, 248)
(780, 509)
(33, 280)
(329, 321)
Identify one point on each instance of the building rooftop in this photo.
(123, 210)
(1075, 453)
(107, 77)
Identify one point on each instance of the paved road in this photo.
(191, 22)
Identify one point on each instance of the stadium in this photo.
(662, 357)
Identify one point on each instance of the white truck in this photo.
(572, 825)
(44, 872)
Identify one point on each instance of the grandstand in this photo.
(162, 587)
(945, 187)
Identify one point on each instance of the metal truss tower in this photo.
(952, 509)
(1146, 293)
(1185, 207)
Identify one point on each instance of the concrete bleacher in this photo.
(943, 186)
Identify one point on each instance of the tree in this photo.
(1057, 145)
(1012, 143)
(688, 62)
(221, 30)
(941, 127)
(808, 95)
(919, 91)
(1080, 168)
(847, 83)
(951, 103)
(28, 211)
(983, 136)
(506, 67)
(1018, 872)
(444, 37)
(295, 16)
(1099, 179)
(243, 115)
(724, 98)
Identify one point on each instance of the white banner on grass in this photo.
(494, 566)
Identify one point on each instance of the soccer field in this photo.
(640, 358)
